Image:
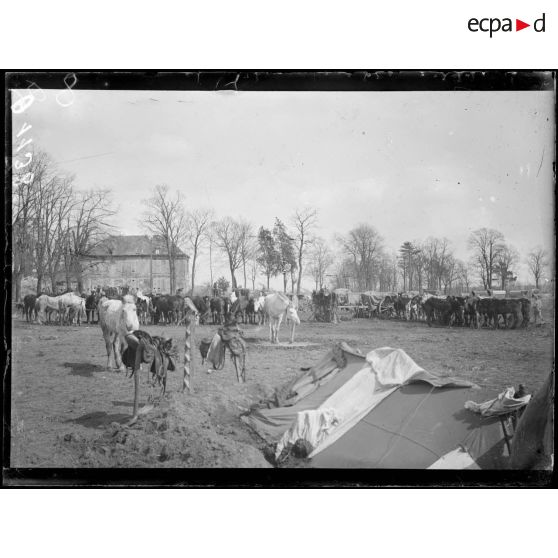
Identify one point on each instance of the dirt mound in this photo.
(160, 439)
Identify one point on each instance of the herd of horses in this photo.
(72, 308)
(240, 306)
(246, 307)
(68, 308)
(467, 311)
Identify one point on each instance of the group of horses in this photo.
(240, 305)
(467, 311)
(69, 308)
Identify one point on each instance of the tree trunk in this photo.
(267, 275)
(284, 281)
(210, 262)
(67, 274)
(79, 280)
(233, 279)
(17, 286)
(299, 280)
(194, 258)
(244, 270)
(39, 283)
(171, 275)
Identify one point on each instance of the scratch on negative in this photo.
(542, 158)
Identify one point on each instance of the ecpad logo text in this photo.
(493, 25)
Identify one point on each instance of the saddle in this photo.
(159, 353)
(231, 335)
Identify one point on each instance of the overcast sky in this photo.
(412, 164)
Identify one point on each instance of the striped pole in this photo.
(188, 342)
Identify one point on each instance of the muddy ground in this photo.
(69, 411)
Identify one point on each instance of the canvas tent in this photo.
(381, 410)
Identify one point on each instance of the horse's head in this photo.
(129, 316)
(292, 315)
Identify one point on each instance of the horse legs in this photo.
(117, 345)
(109, 345)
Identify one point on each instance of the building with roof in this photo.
(136, 261)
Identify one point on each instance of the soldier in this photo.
(537, 309)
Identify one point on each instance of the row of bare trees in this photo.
(281, 250)
(292, 250)
(55, 227)
(431, 264)
(493, 258)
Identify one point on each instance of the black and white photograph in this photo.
(299, 271)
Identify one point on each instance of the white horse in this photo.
(117, 319)
(259, 309)
(44, 303)
(70, 304)
(277, 306)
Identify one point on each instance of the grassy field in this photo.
(68, 411)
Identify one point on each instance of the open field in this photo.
(68, 411)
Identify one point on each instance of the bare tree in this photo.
(253, 269)
(507, 257)
(210, 239)
(409, 256)
(51, 203)
(537, 262)
(450, 273)
(320, 260)
(387, 266)
(165, 217)
(486, 245)
(24, 192)
(229, 235)
(304, 221)
(88, 226)
(436, 255)
(61, 208)
(363, 244)
(247, 248)
(463, 275)
(198, 224)
(268, 256)
(284, 243)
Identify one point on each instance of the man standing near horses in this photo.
(537, 309)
